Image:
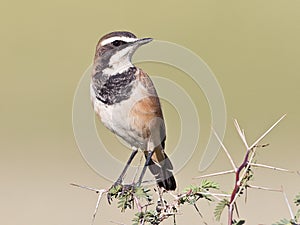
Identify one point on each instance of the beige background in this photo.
(252, 47)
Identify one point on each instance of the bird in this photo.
(124, 98)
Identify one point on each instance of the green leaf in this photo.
(219, 209)
(283, 222)
(142, 193)
(206, 184)
(125, 201)
(191, 189)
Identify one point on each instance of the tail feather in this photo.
(162, 170)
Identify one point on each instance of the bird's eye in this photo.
(118, 43)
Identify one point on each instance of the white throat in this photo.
(119, 62)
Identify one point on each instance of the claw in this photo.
(109, 198)
(114, 189)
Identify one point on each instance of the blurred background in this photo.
(252, 47)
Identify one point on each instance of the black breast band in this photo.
(116, 88)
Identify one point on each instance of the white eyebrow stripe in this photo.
(119, 38)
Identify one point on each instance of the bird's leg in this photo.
(149, 156)
(133, 153)
(120, 179)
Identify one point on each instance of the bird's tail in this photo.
(161, 167)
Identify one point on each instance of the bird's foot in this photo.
(113, 191)
(118, 189)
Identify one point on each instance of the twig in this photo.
(146, 205)
(139, 207)
(215, 195)
(88, 188)
(117, 223)
(271, 167)
(262, 136)
(236, 209)
(248, 161)
(245, 165)
(215, 174)
(241, 133)
(236, 190)
(99, 192)
(225, 150)
(197, 209)
(263, 188)
(288, 204)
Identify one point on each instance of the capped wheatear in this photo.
(126, 101)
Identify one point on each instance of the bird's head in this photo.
(114, 51)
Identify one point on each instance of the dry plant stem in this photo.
(197, 209)
(262, 136)
(117, 223)
(288, 204)
(236, 188)
(139, 206)
(271, 167)
(245, 165)
(97, 205)
(263, 188)
(215, 174)
(226, 151)
(241, 133)
(215, 195)
(100, 194)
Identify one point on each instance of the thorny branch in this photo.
(192, 194)
(243, 171)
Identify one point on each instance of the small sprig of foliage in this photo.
(193, 193)
(150, 217)
(127, 194)
(220, 207)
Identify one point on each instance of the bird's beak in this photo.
(142, 41)
(138, 43)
